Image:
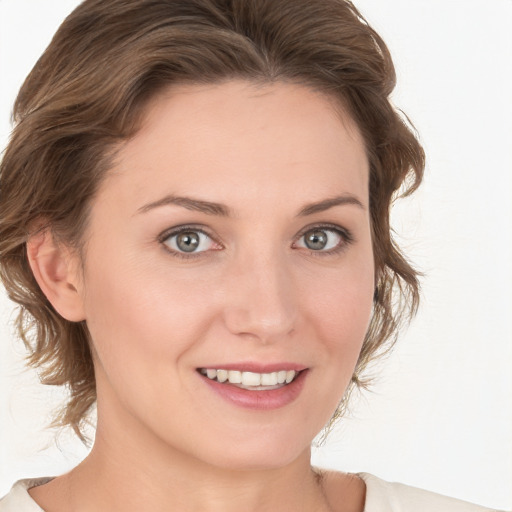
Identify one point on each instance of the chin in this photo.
(262, 461)
(266, 451)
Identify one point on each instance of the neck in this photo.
(147, 475)
(120, 474)
(155, 479)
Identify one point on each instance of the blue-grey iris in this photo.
(316, 240)
(187, 241)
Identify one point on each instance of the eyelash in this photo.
(345, 235)
(166, 235)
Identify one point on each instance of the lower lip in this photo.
(259, 400)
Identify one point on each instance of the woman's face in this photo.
(232, 234)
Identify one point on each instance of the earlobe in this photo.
(55, 269)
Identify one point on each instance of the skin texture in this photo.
(254, 292)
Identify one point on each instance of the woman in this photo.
(195, 221)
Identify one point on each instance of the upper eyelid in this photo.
(165, 235)
(199, 227)
(176, 230)
(328, 227)
(346, 235)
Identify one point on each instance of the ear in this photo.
(56, 270)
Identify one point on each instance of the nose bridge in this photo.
(261, 296)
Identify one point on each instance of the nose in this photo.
(260, 299)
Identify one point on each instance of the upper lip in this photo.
(257, 367)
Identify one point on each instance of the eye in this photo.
(324, 239)
(186, 241)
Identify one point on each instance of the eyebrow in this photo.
(221, 210)
(324, 205)
(190, 204)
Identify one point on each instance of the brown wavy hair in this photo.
(88, 91)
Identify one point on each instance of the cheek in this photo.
(139, 312)
(342, 306)
(340, 312)
(133, 310)
(142, 325)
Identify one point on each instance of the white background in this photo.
(440, 414)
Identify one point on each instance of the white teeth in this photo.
(269, 379)
(290, 375)
(222, 375)
(235, 377)
(250, 379)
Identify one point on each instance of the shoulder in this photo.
(19, 500)
(382, 496)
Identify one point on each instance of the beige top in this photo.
(381, 496)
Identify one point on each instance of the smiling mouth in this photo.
(250, 380)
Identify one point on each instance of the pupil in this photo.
(316, 240)
(187, 242)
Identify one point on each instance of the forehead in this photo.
(262, 140)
